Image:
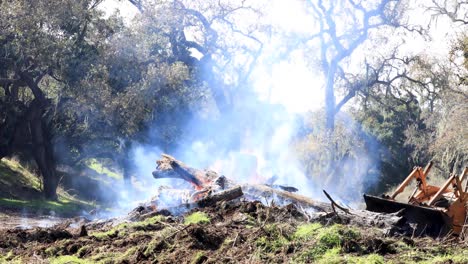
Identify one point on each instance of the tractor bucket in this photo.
(430, 221)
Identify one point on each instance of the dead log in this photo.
(169, 167)
(259, 191)
(226, 195)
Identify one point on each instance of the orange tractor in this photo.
(436, 210)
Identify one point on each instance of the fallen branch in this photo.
(226, 195)
(259, 190)
(333, 204)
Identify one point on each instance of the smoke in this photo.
(255, 140)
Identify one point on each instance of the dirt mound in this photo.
(229, 232)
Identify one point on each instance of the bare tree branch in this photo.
(458, 13)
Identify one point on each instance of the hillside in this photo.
(20, 192)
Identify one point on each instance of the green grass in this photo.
(435, 256)
(197, 218)
(124, 228)
(6, 258)
(125, 257)
(15, 179)
(327, 242)
(98, 167)
(68, 260)
(370, 259)
(331, 256)
(198, 257)
(14, 175)
(306, 231)
(83, 250)
(276, 238)
(61, 207)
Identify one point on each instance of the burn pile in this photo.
(210, 189)
(219, 220)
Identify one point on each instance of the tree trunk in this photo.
(42, 149)
(215, 85)
(330, 98)
(124, 161)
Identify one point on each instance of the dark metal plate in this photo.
(430, 221)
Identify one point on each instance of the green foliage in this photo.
(388, 119)
(333, 157)
(107, 81)
(197, 218)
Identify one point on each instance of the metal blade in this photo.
(430, 221)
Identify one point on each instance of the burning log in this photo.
(207, 182)
(169, 167)
(226, 195)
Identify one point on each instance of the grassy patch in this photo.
(306, 231)
(14, 174)
(454, 258)
(124, 228)
(68, 260)
(268, 244)
(6, 258)
(19, 188)
(197, 218)
(83, 251)
(159, 242)
(105, 257)
(125, 257)
(98, 167)
(436, 256)
(62, 206)
(331, 256)
(114, 232)
(368, 259)
(326, 242)
(275, 240)
(199, 257)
